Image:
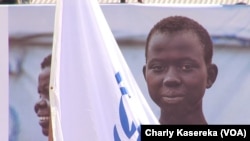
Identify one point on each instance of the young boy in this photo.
(179, 69)
(42, 106)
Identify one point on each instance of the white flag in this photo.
(94, 95)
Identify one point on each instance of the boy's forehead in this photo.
(180, 35)
(45, 72)
(184, 41)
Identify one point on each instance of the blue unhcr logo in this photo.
(123, 116)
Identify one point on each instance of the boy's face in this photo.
(42, 107)
(176, 72)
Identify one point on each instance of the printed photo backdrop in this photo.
(30, 40)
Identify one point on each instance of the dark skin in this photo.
(177, 76)
(42, 107)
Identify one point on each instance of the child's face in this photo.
(176, 71)
(42, 106)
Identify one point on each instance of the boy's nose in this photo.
(42, 103)
(171, 78)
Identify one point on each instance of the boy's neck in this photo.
(189, 117)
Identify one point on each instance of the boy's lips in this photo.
(173, 99)
(44, 120)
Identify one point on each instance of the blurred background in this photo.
(31, 35)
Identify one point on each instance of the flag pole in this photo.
(55, 130)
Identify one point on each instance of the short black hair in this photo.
(46, 61)
(174, 24)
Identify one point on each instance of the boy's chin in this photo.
(45, 131)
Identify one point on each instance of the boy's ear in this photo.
(144, 71)
(212, 75)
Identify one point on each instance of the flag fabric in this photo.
(93, 93)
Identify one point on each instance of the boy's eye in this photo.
(157, 68)
(186, 67)
(44, 91)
